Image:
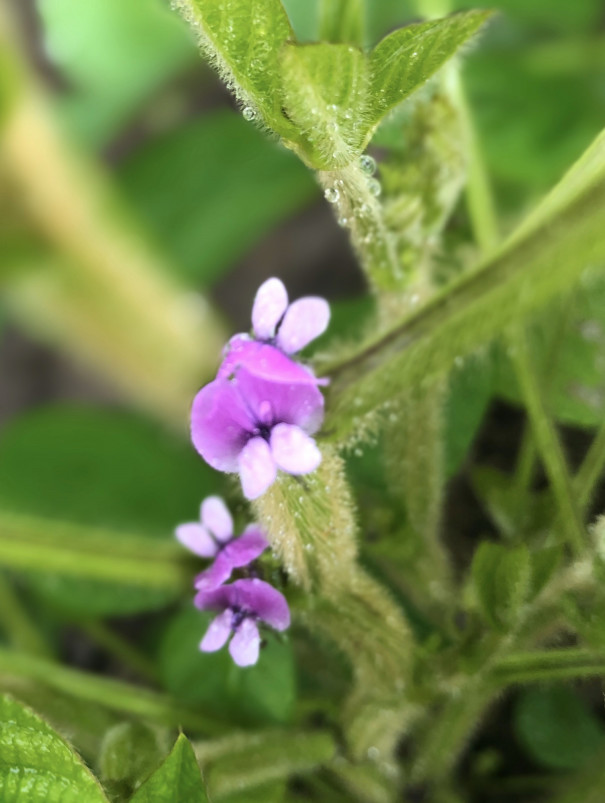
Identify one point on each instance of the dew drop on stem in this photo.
(248, 113)
(332, 195)
(367, 164)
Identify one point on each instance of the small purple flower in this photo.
(242, 605)
(257, 416)
(290, 327)
(212, 537)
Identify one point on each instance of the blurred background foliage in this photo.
(205, 206)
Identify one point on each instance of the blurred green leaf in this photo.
(556, 727)
(568, 341)
(325, 92)
(408, 57)
(243, 762)
(108, 469)
(342, 21)
(210, 190)
(129, 752)
(177, 780)
(114, 55)
(303, 16)
(37, 765)
(264, 693)
(501, 578)
(470, 390)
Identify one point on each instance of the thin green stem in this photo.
(38, 545)
(591, 470)
(548, 443)
(107, 638)
(526, 462)
(114, 694)
(16, 622)
(543, 665)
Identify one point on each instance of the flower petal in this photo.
(216, 517)
(196, 538)
(264, 600)
(304, 320)
(256, 468)
(240, 552)
(220, 424)
(294, 397)
(218, 632)
(293, 450)
(270, 303)
(245, 644)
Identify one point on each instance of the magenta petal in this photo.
(304, 320)
(196, 538)
(216, 517)
(256, 468)
(220, 424)
(240, 552)
(266, 602)
(245, 644)
(293, 450)
(218, 632)
(294, 398)
(270, 303)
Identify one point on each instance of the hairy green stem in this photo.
(16, 622)
(360, 211)
(546, 665)
(548, 443)
(114, 694)
(342, 21)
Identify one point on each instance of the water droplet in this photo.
(375, 187)
(367, 164)
(343, 222)
(331, 195)
(248, 113)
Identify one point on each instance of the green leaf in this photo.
(568, 344)
(243, 39)
(208, 217)
(407, 58)
(129, 752)
(115, 55)
(177, 780)
(36, 764)
(264, 693)
(303, 17)
(544, 259)
(325, 90)
(556, 727)
(501, 579)
(470, 390)
(110, 470)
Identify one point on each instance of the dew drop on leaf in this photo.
(367, 164)
(248, 113)
(374, 187)
(331, 195)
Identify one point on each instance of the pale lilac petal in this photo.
(264, 360)
(293, 450)
(240, 552)
(304, 320)
(196, 538)
(295, 400)
(245, 644)
(221, 424)
(256, 468)
(216, 517)
(270, 303)
(218, 632)
(264, 600)
(240, 348)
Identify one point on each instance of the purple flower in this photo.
(257, 416)
(290, 327)
(242, 605)
(212, 537)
